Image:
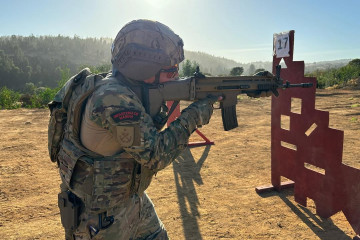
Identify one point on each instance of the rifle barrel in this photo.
(301, 85)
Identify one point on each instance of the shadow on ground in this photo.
(187, 174)
(324, 228)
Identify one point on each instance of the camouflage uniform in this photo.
(134, 219)
(108, 148)
(112, 189)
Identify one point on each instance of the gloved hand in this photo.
(197, 113)
(258, 94)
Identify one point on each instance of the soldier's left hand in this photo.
(259, 94)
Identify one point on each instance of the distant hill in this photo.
(211, 64)
(219, 65)
(325, 65)
(41, 60)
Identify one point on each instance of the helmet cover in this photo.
(143, 47)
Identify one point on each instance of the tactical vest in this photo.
(101, 182)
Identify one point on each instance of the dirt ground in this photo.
(207, 193)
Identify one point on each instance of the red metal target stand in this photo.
(175, 114)
(307, 144)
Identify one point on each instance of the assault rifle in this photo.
(199, 87)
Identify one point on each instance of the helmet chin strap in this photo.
(157, 77)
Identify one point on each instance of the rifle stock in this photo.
(200, 87)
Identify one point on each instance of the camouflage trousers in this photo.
(135, 220)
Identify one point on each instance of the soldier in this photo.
(107, 161)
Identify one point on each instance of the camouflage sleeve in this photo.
(120, 112)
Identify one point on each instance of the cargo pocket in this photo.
(82, 180)
(55, 129)
(112, 182)
(67, 158)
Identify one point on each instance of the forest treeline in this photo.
(346, 76)
(40, 60)
(33, 68)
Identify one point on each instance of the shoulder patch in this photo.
(125, 135)
(126, 115)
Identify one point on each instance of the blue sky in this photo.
(241, 30)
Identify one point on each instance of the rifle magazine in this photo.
(229, 117)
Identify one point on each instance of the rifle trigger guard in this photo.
(216, 107)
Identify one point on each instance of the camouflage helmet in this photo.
(143, 47)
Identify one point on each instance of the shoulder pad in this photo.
(73, 81)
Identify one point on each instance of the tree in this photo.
(236, 71)
(251, 69)
(355, 62)
(188, 68)
(259, 70)
(29, 88)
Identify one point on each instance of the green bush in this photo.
(25, 100)
(39, 97)
(9, 99)
(340, 76)
(42, 98)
